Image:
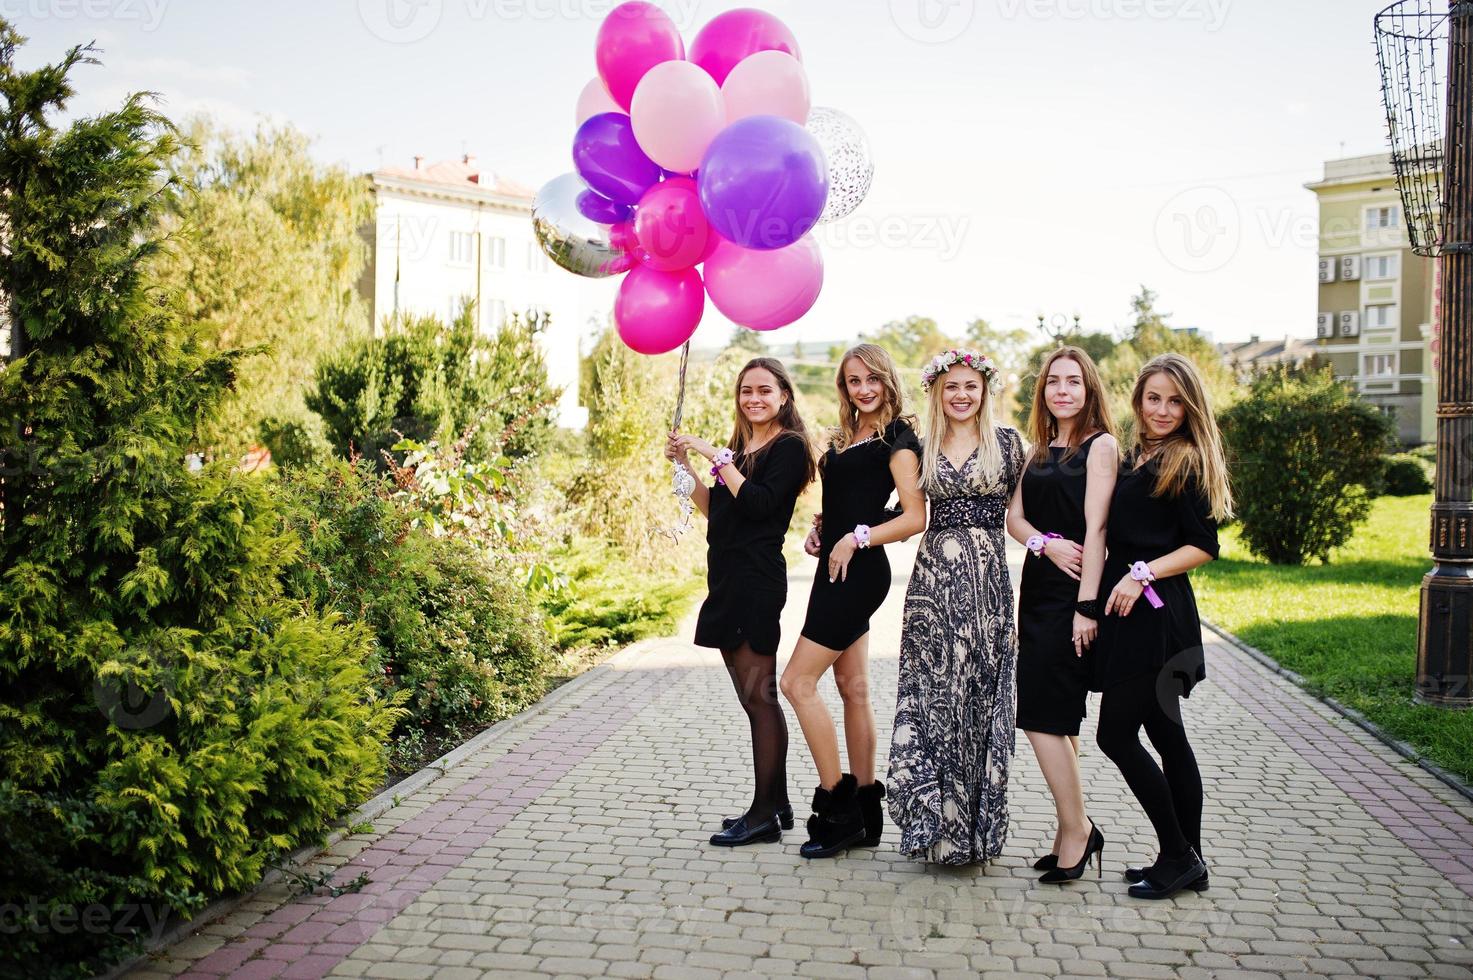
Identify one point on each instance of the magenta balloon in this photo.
(670, 226)
(764, 182)
(658, 311)
(608, 158)
(765, 290)
(735, 36)
(634, 38)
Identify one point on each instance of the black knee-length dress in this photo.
(856, 485)
(1053, 681)
(1166, 642)
(746, 574)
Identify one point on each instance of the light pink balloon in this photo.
(736, 35)
(595, 101)
(658, 311)
(677, 112)
(671, 229)
(768, 289)
(769, 83)
(634, 38)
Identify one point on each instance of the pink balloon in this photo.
(735, 36)
(677, 112)
(769, 83)
(658, 311)
(670, 226)
(768, 289)
(634, 38)
(595, 101)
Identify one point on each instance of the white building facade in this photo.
(449, 232)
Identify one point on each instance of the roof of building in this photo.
(1258, 351)
(463, 173)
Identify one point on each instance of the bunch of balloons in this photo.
(710, 157)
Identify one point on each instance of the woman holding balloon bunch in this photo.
(701, 172)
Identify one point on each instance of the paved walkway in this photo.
(575, 845)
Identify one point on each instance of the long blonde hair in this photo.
(1094, 417)
(788, 418)
(878, 361)
(989, 468)
(1194, 450)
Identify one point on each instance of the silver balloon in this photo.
(851, 166)
(576, 243)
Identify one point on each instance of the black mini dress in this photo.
(856, 485)
(1053, 681)
(1166, 642)
(746, 574)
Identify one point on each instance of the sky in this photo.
(1032, 156)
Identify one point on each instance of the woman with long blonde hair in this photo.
(871, 454)
(1168, 499)
(758, 477)
(1058, 512)
(955, 703)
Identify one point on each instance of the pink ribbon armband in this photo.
(1141, 572)
(1038, 542)
(725, 457)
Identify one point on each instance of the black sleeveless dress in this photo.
(1053, 682)
(856, 485)
(746, 574)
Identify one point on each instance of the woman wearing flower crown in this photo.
(872, 453)
(758, 477)
(955, 704)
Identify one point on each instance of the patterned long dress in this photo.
(956, 703)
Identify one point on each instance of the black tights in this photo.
(1172, 799)
(754, 675)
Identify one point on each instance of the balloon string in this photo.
(680, 395)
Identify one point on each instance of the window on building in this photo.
(537, 260)
(462, 247)
(1380, 316)
(1379, 367)
(1381, 266)
(1387, 217)
(496, 253)
(495, 314)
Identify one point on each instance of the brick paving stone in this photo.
(573, 844)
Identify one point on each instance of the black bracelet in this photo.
(1088, 608)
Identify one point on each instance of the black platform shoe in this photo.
(872, 811)
(1167, 878)
(836, 823)
(742, 833)
(784, 816)
(1094, 847)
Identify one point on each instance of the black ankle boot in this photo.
(836, 822)
(872, 811)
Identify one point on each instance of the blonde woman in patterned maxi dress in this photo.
(956, 700)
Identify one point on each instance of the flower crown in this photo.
(943, 362)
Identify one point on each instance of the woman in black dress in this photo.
(871, 454)
(1171, 493)
(1059, 511)
(759, 475)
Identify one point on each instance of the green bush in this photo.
(1406, 475)
(603, 605)
(429, 382)
(1305, 457)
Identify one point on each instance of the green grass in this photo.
(1349, 628)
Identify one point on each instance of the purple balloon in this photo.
(596, 207)
(608, 158)
(764, 182)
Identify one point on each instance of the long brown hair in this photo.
(879, 362)
(1194, 450)
(1094, 417)
(788, 418)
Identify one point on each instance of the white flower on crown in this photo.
(943, 362)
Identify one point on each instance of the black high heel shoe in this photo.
(784, 816)
(1169, 877)
(742, 833)
(1094, 847)
(1046, 863)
